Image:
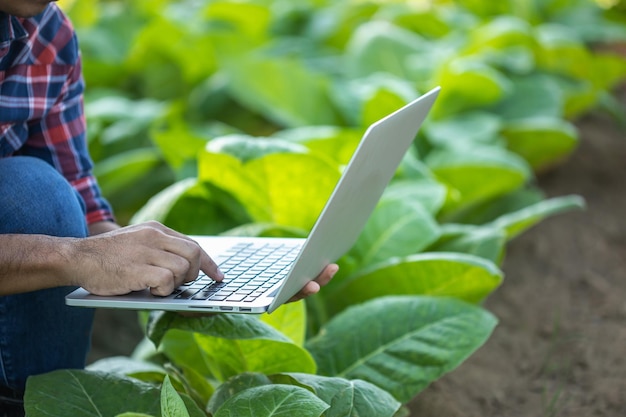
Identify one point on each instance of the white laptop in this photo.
(263, 273)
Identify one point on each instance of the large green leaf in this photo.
(379, 46)
(518, 221)
(468, 84)
(193, 208)
(235, 385)
(426, 192)
(229, 357)
(458, 275)
(366, 100)
(485, 242)
(275, 86)
(231, 326)
(346, 397)
(532, 96)
(401, 344)
(542, 142)
(122, 365)
(397, 227)
(462, 130)
(273, 401)
(286, 189)
(247, 148)
(478, 174)
(229, 344)
(337, 144)
(290, 320)
(65, 393)
(120, 173)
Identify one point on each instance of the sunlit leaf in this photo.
(466, 277)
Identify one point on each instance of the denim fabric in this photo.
(38, 332)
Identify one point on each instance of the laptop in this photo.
(262, 273)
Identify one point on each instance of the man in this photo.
(56, 230)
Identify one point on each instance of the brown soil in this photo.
(559, 348)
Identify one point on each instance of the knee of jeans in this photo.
(38, 199)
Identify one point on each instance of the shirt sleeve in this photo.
(60, 138)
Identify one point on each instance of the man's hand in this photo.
(116, 261)
(134, 258)
(313, 287)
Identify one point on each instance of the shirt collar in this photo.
(11, 29)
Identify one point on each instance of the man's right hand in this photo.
(148, 255)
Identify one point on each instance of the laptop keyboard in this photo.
(250, 271)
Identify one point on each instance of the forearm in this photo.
(33, 262)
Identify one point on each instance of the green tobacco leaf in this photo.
(125, 170)
(274, 87)
(265, 230)
(172, 404)
(464, 129)
(332, 142)
(484, 242)
(290, 320)
(346, 397)
(502, 32)
(401, 344)
(193, 208)
(457, 275)
(273, 400)
(228, 357)
(230, 326)
(381, 47)
(396, 228)
(542, 142)
(178, 144)
(228, 344)
(246, 148)
(478, 174)
(88, 394)
(123, 365)
(468, 84)
(366, 100)
(235, 385)
(426, 192)
(532, 96)
(133, 415)
(286, 189)
(517, 222)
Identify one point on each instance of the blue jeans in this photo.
(38, 332)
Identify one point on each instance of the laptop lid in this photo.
(355, 196)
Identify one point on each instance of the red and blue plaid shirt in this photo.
(41, 100)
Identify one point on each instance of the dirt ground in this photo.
(558, 350)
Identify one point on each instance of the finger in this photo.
(192, 251)
(309, 289)
(161, 282)
(181, 269)
(209, 267)
(327, 274)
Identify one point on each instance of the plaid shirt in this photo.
(41, 100)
